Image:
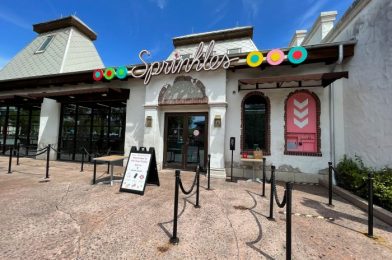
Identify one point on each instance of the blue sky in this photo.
(128, 26)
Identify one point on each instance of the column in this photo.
(49, 125)
(217, 111)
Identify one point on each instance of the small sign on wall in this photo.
(217, 121)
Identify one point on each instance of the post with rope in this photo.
(271, 213)
(370, 204)
(95, 172)
(198, 186)
(174, 239)
(264, 161)
(209, 171)
(47, 161)
(82, 164)
(17, 153)
(330, 168)
(10, 160)
(289, 189)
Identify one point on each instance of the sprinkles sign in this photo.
(203, 59)
(275, 57)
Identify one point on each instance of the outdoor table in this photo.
(254, 162)
(110, 159)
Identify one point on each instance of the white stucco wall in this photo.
(306, 165)
(368, 91)
(215, 87)
(134, 128)
(49, 126)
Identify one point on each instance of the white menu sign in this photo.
(136, 174)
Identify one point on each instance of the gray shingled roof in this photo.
(70, 50)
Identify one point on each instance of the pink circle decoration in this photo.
(275, 57)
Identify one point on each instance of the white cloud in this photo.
(310, 15)
(13, 19)
(251, 7)
(160, 3)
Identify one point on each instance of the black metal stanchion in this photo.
(370, 204)
(10, 160)
(198, 186)
(95, 171)
(271, 213)
(17, 155)
(264, 160)
(330, 184)
(231, 167)
(108, 168)
(209, 171)
(82, 164)
(174, 239)
(47, 161)
(289, 188)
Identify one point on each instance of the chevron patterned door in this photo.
(301, 123)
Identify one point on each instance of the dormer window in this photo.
(45, 44)
(234, 51)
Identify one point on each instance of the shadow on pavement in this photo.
(260, 235)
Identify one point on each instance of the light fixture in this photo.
(71, 97)
(104, 94)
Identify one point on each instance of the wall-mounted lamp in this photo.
(217, 121)
(149, 121)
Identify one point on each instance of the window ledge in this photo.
(316, 154)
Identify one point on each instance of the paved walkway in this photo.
(69, 218)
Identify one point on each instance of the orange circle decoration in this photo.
(97, 74)
(254, 59)
(275, 57)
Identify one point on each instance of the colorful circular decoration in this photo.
(97, 75)
(109, 73)
(254, 59)
(275, 57)
(122, 72)
(297, 55)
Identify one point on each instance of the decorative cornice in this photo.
(348, 16)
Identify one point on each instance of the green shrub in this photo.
(352, 174)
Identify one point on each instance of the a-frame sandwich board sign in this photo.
(141, 169)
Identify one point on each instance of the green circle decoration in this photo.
(122, 72)
(109, 74)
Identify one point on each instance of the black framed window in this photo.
(19, 124)
(98, 128)
(255, 123)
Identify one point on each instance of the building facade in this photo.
(302, 107)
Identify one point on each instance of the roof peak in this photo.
(218, 35)
(69, 21)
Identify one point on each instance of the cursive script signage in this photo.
(202, 60)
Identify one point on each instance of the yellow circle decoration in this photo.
(254, 59)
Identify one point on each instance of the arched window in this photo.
(302, 124)
(255, 123)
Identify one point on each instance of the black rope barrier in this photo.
(271, 212)
(178, 185)
(286, 202)
(209, 171)
(280, 204)
(10, 160)
(368, 183)
(191, 189)
(264, 177)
